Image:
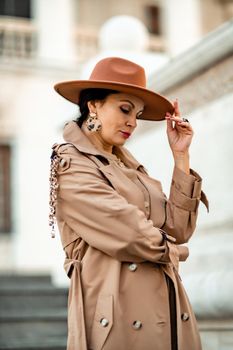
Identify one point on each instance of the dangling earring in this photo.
(93, 123)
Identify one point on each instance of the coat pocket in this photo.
(103, 321)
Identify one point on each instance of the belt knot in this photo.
(70, 264)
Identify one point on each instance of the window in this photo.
(15, 8)
(152, 13)
(5, 196)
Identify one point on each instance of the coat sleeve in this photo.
(104, 219)
(182, 205)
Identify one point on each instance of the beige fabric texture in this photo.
(121, 237)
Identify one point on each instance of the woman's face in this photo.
(118, 114)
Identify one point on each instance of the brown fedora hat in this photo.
(119, 74)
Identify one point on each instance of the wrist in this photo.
(181, 160)
(180, 155)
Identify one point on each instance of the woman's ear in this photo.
(91, 106)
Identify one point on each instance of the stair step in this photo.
(47, 297)
(29, 343)
(23, 280)
(29, 330)
(33, 313)
(29, 288)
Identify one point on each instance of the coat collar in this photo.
(74, 135)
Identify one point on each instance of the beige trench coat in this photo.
(121, 236)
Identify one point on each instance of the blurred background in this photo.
(186, 49)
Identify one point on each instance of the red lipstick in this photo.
(126, 135)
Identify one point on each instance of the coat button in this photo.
(185, 316)
(137, 325)
(62, 162)
(147, 204)
(132, 267)
(104, 322)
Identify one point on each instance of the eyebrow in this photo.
(132, 105)
(129, 102)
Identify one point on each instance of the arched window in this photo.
(153, 19)
(5, 193)
(15, 8)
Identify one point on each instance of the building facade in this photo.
(44, 42)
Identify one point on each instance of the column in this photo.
(181, 23)
(55, 22)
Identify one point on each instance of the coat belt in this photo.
(76, 322)
(70, 265)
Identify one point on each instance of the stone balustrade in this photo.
(18, 37)
(19, 40)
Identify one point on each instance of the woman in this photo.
(120, 233)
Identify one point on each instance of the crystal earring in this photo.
(93, 123)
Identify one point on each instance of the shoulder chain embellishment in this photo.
(53, 192)
(120, 163)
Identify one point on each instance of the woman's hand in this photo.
(180, 135)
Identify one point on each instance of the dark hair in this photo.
(90, 95)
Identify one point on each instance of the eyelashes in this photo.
(124, 110)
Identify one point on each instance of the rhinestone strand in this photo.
(120, 163)
(53, 193)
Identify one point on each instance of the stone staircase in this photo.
(33, 313)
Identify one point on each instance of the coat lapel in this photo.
(74, 135)
(122, 180)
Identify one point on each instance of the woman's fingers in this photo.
(184, 124)
(173, 118)
(169, 124)
(178, 121)
(176, 108)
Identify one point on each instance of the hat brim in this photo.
(156, 105)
